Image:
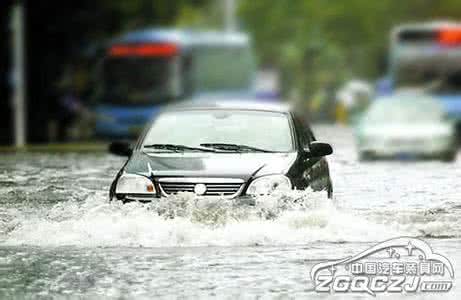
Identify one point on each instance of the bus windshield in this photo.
(145, 72)
(429, 79)
(137, 80)
(426, 56)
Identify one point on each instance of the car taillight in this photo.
(449, 36)
(143, 50)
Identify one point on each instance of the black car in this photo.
(228, 150)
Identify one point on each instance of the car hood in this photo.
(227, 165)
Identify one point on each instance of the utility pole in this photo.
(18, 74)
(230, 23)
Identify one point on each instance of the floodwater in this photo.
(60, 236)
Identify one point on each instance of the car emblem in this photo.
(200, 189)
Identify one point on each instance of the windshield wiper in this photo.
(177, 148)
(234, 147)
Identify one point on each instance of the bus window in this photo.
(220, 69)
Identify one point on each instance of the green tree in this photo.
(317, 42)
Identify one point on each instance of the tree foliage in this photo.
(316, 43)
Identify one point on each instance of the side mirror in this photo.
(120, 148)
(318, 149)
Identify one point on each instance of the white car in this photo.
(406, 126)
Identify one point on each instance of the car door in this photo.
(315, 172)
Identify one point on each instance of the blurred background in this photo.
(100, 69)
(377, 79)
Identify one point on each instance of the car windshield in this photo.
(266, 131)
(404, 111)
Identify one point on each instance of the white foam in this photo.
(185, 221)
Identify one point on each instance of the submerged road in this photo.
(60, 236)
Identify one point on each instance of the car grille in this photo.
(212, 188)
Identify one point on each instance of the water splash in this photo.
(185, 220)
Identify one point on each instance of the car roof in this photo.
(231, 104)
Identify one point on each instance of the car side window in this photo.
(306, 133)
(309, 133)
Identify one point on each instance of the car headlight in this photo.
(134, 184)
(268, 184)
